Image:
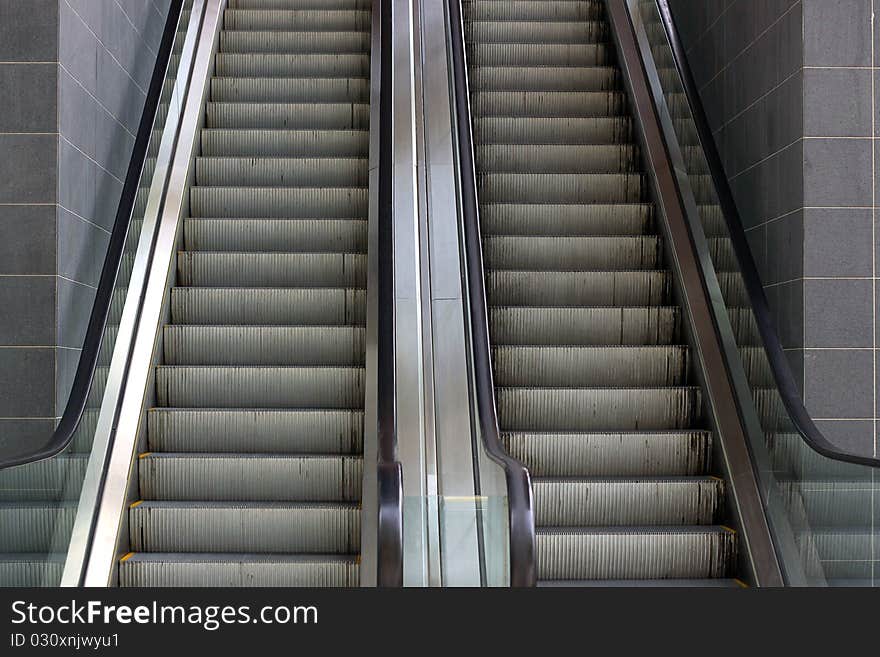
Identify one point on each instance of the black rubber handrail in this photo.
(523, 571)
(389, 471)
(88, 360)
(788, 390)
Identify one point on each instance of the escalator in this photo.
(253, 469)
(593, 379)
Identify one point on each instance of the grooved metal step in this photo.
(264, 345)
(235, 527)
(260, 387)
(259, 431)
(269, 235)
(250, 477)
(597, 409)
(545, 78)
(290, 90)
(555, 10)
(31, 570)
(588, 288)
(277, 41)
(487, 31)
(296, 19)
(268, 306)
(561, 187)
(281, 172)
(347, 203)
(39, 527)
(176, 569)
(626, 454)
(58, 478)
(636, 553)
(602, 502)
(557, 366)
(538, 54)
(566, 219)
(556, 158)
(289, 116)
(285, 143)
(572, 253)
(200, 268)
(292, 65)
(553, 130)
(656, 325)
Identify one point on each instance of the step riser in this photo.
(59, 478)
(260, 387)
(286, 116)
(560, 409)
(561, 188)
(530, 54)
(275, 42)
(234, 573)
(269, 65)
(536, 32)
(595, 219)
(592, 504)
(247, 529)
(234, 202)
(499, 10)
(625, 455)
(281, 172)
(544, 78)
(185, 345)
(572, 289)
(584, 326)
(290, 90)
(572, 253)
(324, 21)
(259, 479)
(563, 131)
(557, 159)
(571, 367)
(271, 270)
(635, 556)
(283, 235)
(36, 528)
(268, 306)
(285, 143)
(257, 431)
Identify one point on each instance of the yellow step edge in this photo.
(126, 557)
(134, 504)
(144, 455)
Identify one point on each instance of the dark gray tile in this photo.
(107, 193)
(773, 188)
(33, 372)
(839, 383)
(27, 168)
(27, 239)
(77, 111)
(82, 248)
(75, 303)
(837, 102)
(30, 300)
(853, 437)
(29, 31)
(837, 33)
(837, 242)
(785, 248)
(29, 99)
(838, 172)
(78, 49)
(838, 313)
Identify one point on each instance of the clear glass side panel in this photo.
(38, 501)
(830, 509)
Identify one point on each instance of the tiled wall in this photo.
(789, 89)
(73, 76)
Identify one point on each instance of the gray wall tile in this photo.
(839, 383)
(837, 172)
(81, 248)
(28, 30)
(31, 301)
(27, 239)
(29, 99)
(27, 168)
(837, 242)
(33, 370)
(838, 312)
(838, 101)
(837, 33)
(75, 302)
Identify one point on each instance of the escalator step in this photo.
(719, 582)
(300, 4)
(266, 235)
(250, 477)
(540, 54)
(292, 65)
(285, 143)
(486, 31)
(616, 288)
(561, 367)
(226, 570)
(234, 527)
(290, 90)
(566, 219)
(598, 502)
(221, 202)
(31, 570)
(572, 253)
(624, 454)
(278, 115)
(555, 10)
(657, 325)
(545, 78)
(278, 42)
(200, 268)
(281, 172)
(552, 130)
(636, 553)
(561, 188)
(58, 478)
(260, 387)
(260, 431)
(264, 345)
(268, 306)
(556, 158)
(597, 409)
(42, 526)
(320, 20)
